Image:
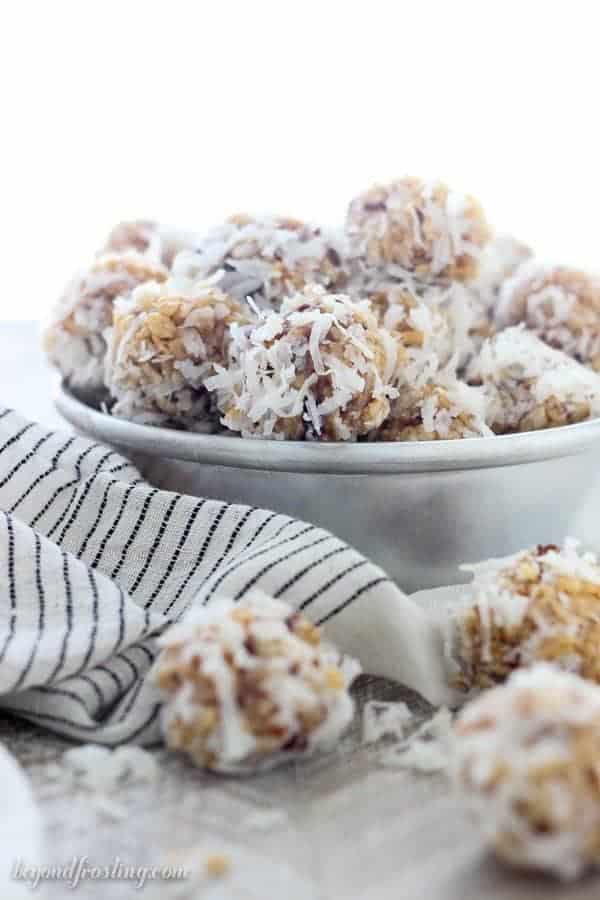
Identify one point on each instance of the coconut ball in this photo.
(561, 305)
(482, 328)
(500, 260)
(530, 385)
(424, 319)
(421, 329)
(165, 342)
(412, 228)
(526, 762)
(251, 684)
(320, 369)
(267, 258)
(74, 340)
(446, 409)
(541, 604)
(161, 242)
(434, 322)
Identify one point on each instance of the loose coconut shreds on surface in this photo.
(410, 227)
(537, 605)
(321, 369)
(383, 719)
(526, 762)
(102, 773)
(74, 339)
(530, 385)
(160, 242)
(104, 770)
(267, 258)
(561, 305)
(250, 685)
(165, 343)
(442, 409)
(428, 750)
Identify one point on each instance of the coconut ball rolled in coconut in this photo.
(447, 319)
(160, 242)
(526, 763)
(249, 685)
(439, 410)
(500, 260)
(320, 369)
(165, 342)
(561, 305)
(413, 228)
(419, 328)
(267, 258)
(74, 340)
(538, 605)
(530, 385)
(433, 321)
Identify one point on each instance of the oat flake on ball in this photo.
(526, 762)
(320, 369)
(249, 685)
(412, 228)
(267, 258)
(165, 342)
(74, 340)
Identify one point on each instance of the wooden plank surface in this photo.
(339, 828)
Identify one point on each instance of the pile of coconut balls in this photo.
(412, 322)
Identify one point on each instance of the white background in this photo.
(189, 111)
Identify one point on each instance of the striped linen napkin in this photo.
(95, 563)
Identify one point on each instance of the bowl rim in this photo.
(411, 457)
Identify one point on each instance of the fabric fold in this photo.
(95, 563)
